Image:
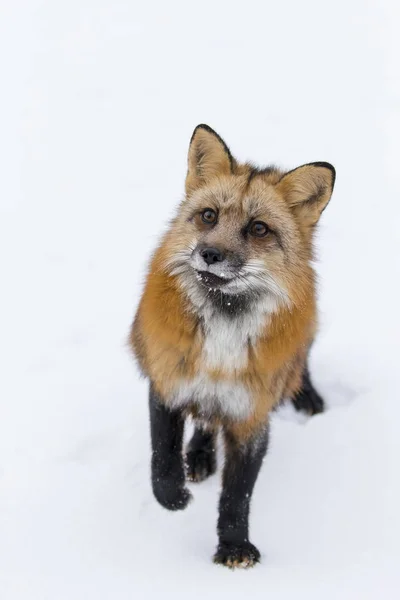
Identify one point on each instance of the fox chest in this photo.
(211, 397)
(225, 348)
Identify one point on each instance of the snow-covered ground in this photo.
(98, 101)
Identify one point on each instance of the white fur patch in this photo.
(225, 344)
(230, 399)
(226, 340)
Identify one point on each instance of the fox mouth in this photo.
(212, 280)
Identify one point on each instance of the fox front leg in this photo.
(167, 469)
(242, 464)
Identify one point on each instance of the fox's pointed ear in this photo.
(208, 157)
(308, 190)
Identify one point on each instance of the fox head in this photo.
(243, 234)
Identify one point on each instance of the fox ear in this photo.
(308, 190)
(208, 157)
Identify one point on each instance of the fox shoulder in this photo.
(163, 321)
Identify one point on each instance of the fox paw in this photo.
(310, 402)
(241, 556)
(171, 496)
(200, 464)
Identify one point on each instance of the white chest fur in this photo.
(225, 344)
(225, 347)
(226, 340)
(230, 399)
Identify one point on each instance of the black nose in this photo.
(212, 255)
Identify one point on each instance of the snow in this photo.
(98, 103)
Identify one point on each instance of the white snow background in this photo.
(97, 105)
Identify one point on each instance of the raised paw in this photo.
(200, 464)
(170, 495)
(237, 556)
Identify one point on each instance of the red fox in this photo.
(225, 324)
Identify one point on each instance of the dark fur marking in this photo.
(253, 172)
(256, 171)
(267, 170)
(232, 305)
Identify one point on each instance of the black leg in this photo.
(307, 398)
(200, 455)
(242, 465)
(167, 471)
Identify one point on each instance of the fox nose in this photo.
(212, 255)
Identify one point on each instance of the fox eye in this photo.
(208, 216)
(258, 229)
